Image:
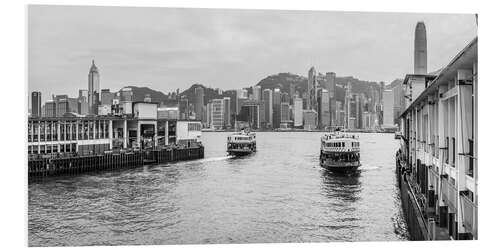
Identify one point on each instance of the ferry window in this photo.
(343, 144)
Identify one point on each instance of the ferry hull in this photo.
(240, 152)
(340, 168)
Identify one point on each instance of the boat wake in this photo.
(365, 167)
(215, 159)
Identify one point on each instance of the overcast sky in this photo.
(169, 48)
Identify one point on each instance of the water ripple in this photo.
(279, 194)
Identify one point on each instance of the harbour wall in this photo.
(415, 221)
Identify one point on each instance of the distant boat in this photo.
(242, 143)
(340, 152)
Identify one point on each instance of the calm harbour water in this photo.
(279, 194)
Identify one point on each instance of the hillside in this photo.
(280, 80)
(283, 81)
(140, 93)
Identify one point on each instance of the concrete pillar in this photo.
(58, 136)
(77, 123)
(156, 134)
(38, 139)
(110, 133)
(139, 134)
(125, 134)
(93, 129)
(166, 132)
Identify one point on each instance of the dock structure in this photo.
(70, 145)
(437, 161)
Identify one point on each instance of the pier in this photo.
(436, 166)
(76, 164)
(72, 145)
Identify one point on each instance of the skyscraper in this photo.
(324, 109)
(276, 108)
(36, 104)
(217, 113)
(227, 111)
(311, 89)
(50, 108)
(199, 94)
(256, 91)
(388, 105)
(94, 89)
(297, 112)
(347, 105)
(330, 83)
(267, 96)
(83, 95)
(107, 97)
(420, 52)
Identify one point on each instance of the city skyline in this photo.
(223, 61)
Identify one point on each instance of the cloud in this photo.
(169, 48)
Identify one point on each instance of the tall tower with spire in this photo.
(94, 89)
(420, 51)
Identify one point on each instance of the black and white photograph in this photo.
(180, 125)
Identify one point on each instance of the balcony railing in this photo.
(469, 216)
(449, 193)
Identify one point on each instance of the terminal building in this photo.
(83, 135)
(437, 162)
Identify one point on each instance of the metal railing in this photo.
(449, 193)
(469, 215)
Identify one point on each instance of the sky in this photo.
(170, 48)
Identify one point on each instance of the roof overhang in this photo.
(463, 60)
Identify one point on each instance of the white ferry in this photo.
(242, 143)
(340, 152)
